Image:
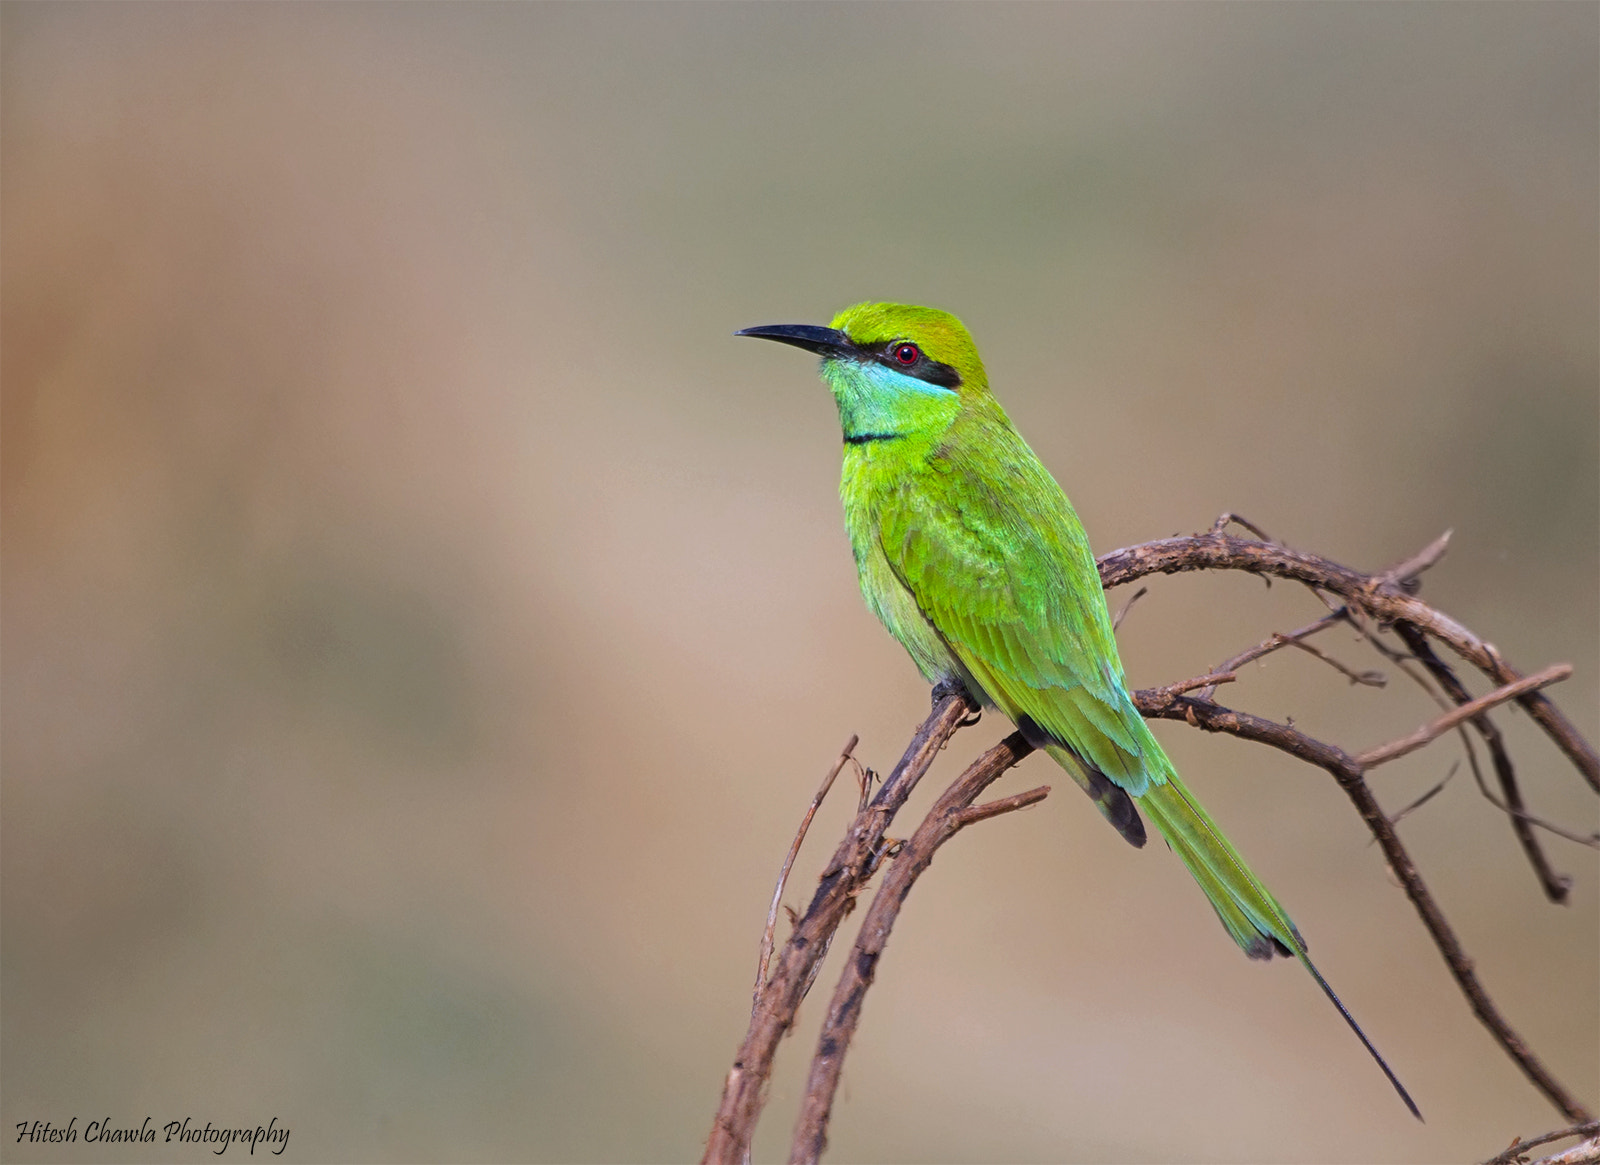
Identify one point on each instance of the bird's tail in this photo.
(1251, 915)
(1113, 801)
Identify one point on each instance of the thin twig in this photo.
(788, 864)
(1372, 679)
(1209, 680)
(1415, 740)
(1407, 570)
(1226, 518)
(1555, 886)
(864, 778)
(1519, 1146)
(1122, 612)
(1386, 603)
(1533, 820)
(950, 813)
(1400, 814)
(1591, 840)
(796, 965)
(975, 813)
(1584, 1153)
(1348, 772)
(1273, 642)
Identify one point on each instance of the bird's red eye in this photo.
(906, 354)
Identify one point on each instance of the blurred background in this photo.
(424, 625)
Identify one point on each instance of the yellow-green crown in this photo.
(939, 334)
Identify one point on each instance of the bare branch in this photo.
(788, 863)
(1001, 805)
(1555, 885)
(1410, 743)
(1122, 612)
(950, 813)
(1224, 520)
(1209, 681)
(864, 779)
(1351, 777)
(1587, 1153)
(1399, 814)
(1274, 641)
(796, 965)
(1407, 570)
(1373, 604)
(1382, 601)
(1372, 679)
(1518, 1148)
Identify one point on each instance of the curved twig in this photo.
(1519, 1147)
(951, 813)
(1555, 885)
(1369, 602)
(1384, 600)
(788, 864)
(1350, 773)
(796, 966)
(1429, 732)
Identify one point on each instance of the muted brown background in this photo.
(423, 623)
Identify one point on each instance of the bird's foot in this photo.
(951, 686)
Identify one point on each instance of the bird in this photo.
(972, 557)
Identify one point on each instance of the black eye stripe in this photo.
(922, 366)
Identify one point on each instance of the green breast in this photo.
(872, 471)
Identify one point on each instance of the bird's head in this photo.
(895, 369)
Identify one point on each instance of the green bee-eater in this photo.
(972, 557)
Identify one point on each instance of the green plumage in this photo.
(972, 557)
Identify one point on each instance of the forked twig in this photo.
(1226, 519)
(1273, 642)
(1555, 885)
(1385, 601)
(1372, 679)
(1350, 775)
(1407, 570)
(788, 863)
(1519, 1147)
(952, 812)
(1415, 740)
(797, 964)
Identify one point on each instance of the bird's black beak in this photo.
(822, 341)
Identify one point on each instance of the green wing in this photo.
(999, 564)
(1006, 577)
(990, 550)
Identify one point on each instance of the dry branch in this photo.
(1555, 885)
(1588, 1153)
(950, 813)
(855, 861)
(1398, 748)
(1372, 603)
(788, 864)
(1385, 601)
(1351, 777)
(1518, 1150)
